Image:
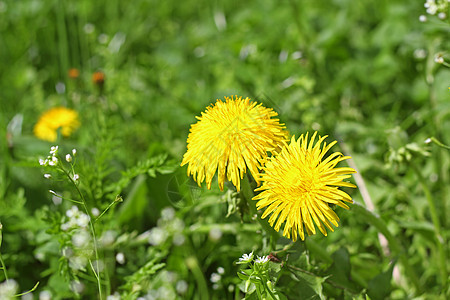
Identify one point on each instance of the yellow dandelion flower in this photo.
(230, 137)
(53, 119)
(298, 186)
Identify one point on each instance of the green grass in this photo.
(363, 73)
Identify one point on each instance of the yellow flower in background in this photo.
(230, 137)
(299, 184)
(59, 117)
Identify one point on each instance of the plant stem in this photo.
(117, 200)
(97, 273)
(3, 267)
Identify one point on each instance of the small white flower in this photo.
(76, 177)
(220, 270)
(422, 18)
(83, 220)
(432, 9)
(57, 200)
(95, 211)
(178, 239)
(420, 53)
(68, 158)
(78, 262)
(215, 234)
(53, 161)
(181, 287)
(48, 176)
(168, 213)
(72, 212)
(80, 239)
(77, 286)
(45, 295)
(442, 15)
(42, 162)
(53, 150)
(116, 296)
(74, 152)
(246, 258)
(215, 277)
(262, 260)
(438, 58)
(120, 258)
(108, 237)
(157, 236)
(8, 289)
(427, 141)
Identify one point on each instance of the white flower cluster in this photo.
(53, 160)
(217, 277)
(77, 219)
(8, 289)
(440, 7)
(168, 226)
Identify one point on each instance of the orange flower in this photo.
(98, 78)
(74, 73)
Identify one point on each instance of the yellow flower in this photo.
(53, 119)
(299, 184)
(230, 137)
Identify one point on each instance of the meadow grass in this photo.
(119, 218)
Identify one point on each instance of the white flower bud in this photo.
(68, 158)
(120, 258)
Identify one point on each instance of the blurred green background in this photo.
(363, 72)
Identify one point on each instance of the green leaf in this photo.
(380, 286)
(339, 271)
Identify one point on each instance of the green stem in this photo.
(3, 267)
(97, 273)
(27, 292)
(192, 264)
(117, 200)
(62, 40)
(439, 143)
(440, 239)
(394, 244)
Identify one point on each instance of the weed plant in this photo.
(97, 100)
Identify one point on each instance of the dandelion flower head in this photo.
(299, 184)
(53, 119)
(231, 136)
